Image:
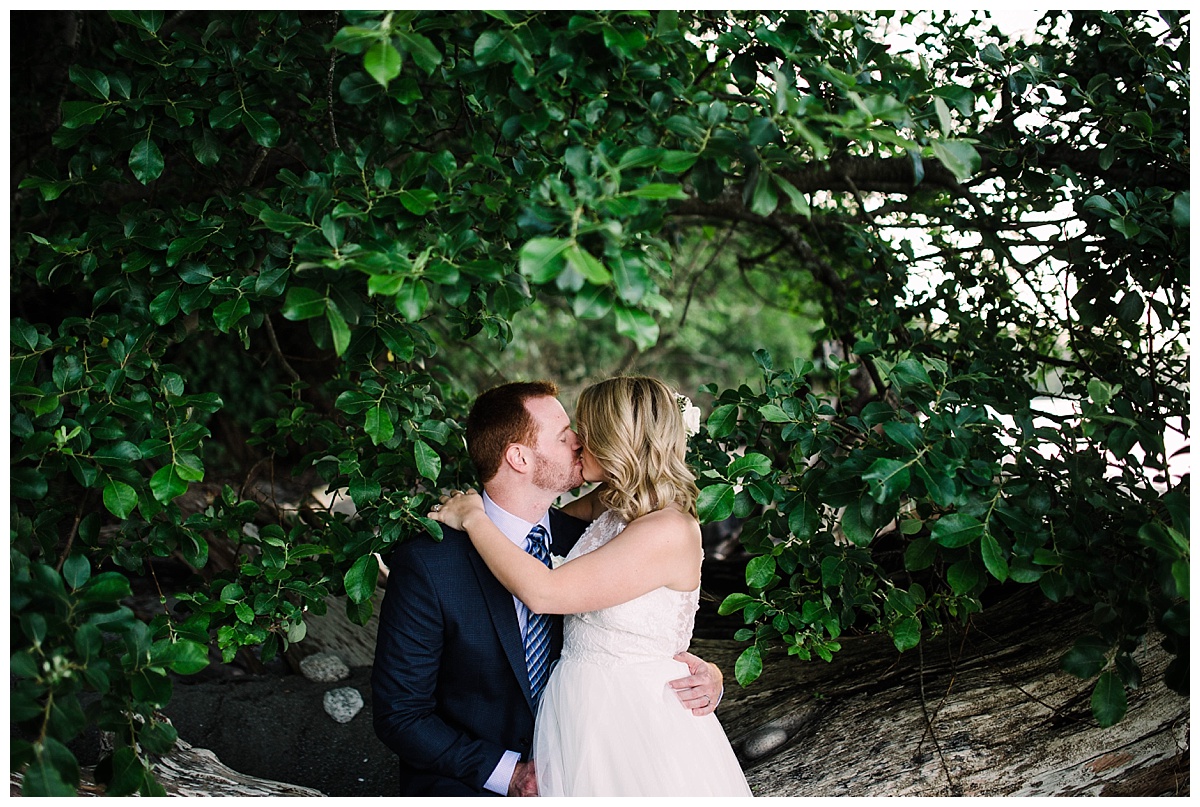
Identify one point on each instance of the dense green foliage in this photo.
(252, 245)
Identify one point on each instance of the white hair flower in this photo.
(690, 413)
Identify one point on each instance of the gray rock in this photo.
(343, 703)
(764, 741)
(324, 668)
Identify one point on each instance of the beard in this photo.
(558, 478)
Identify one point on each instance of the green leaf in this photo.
(763, 200)
(887, 479)
(303, 303)
(855, 526)
(1101, 393)
(167, 484)
(905, 435)
(910, 373)
(91, 81)
(379, 425)
(586, 264)
(146, 161)
(674, 161)
(412, 298)
(42, 778)
(128, 773)
(338, 327)
(748, 666)
(637, 325)
(158, 737)
(958, 156)
(120, 498)
(105, 587)
(773, 413)
(1181, 574)
(795, 197)
(182, 656)
(1181, 210)
(906, 633)
(82, 113)
(421, 49)
(1087, 658)
(963, 576)
(733, 603)
(383, 62)
(493, 46)
(993, 557)
(429, 464)
(224, 117)
(632, 280)
(956, 529)
(227, 314)
(1108, 700)
(804, 519)
(659, 190)
(760, 571)
(715, 503)
(639, 157)
(206, 148)
(920, 554)
(281, 222)
(749, 463)
(355, 39)
(263, 128)
(943, 115)
(364, 490)
(418, 201)
(541, 258)
(362, 578)
(165, 306)
(76, 570)
(722, 420)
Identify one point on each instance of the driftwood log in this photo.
(189, 771)
(983, 711)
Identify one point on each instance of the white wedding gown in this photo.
(608, 723)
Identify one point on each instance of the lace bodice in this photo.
(654, 626)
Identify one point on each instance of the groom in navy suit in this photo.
(450, 687)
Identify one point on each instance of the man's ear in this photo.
(517, 457)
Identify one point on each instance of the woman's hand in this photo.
(457, 507)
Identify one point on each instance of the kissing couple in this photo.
(480, 687)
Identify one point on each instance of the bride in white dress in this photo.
(608, 724)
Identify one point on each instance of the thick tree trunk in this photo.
(984, 711)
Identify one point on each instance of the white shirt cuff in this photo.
(500, 779)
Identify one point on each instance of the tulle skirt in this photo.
(620, 730)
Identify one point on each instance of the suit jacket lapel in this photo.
(564, 532)
(504, 618)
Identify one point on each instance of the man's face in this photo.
(557, 464)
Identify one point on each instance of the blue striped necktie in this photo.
(537, 626)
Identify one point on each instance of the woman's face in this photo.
(592, 472)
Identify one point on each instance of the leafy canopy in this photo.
(253, 244)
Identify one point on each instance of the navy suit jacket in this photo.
(449, 687)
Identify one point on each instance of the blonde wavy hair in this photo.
(633, 426)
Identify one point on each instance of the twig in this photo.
(329, 86)
(71, 537)
(279, 353)
(162, 598)
(696, 277)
